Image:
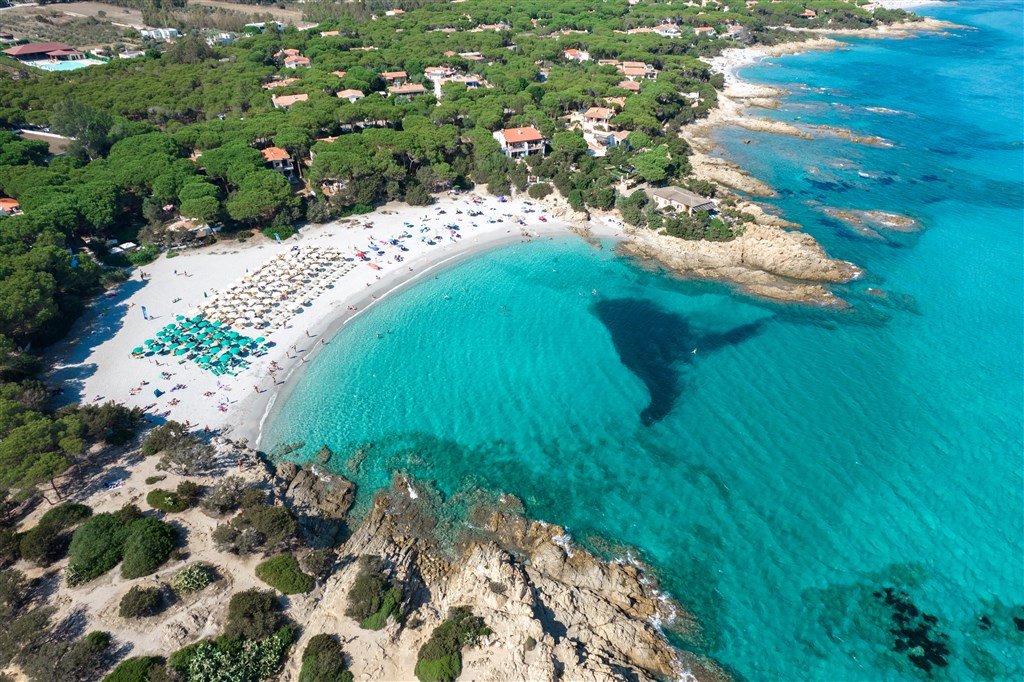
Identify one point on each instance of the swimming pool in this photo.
(69, 65)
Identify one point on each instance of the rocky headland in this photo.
(555, 611)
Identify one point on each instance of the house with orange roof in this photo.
(394, 13)
(350, 95)
(329, 34)
(9, 206)
(575, 55)
(395, 77)
(286, 101)
(638, 70)
(598, 116)
(296, 62)
(279, 160)
(706, 31)
(632, 86)
(290, 52)
(518, 143)
(280, 84)
(407, 90)
(808, 14)
(619, 101)
(339, 74)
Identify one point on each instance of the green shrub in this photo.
(104, 540)
(366, 596)
(283, 573)
(319, 563)
(166, 501)
(324, 661)
(228, 660)
(134, 669)
(140, 602)
(225, 496)
(192, 578)
(189, 491)
(153, 480)
(253, 614)
(251, 497)
(47, 542)
(539, 190)
(96, 547)
(254, 527)
(440, 657)
(65, 515)
(147, 547)
(390, 606)
(144, 255)
(10, 546)
(164, 437)
(283, 231)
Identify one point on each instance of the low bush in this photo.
(99, 544)
(440, 658)
(260, 526)
(135, 669)
(10, 546)
(153, 480)
(283, 573)
(48, 541)
(166, 501)
(189, 491)
(148, 545)
(366, 595)
(140, 602)
(319, 563)
(230, 660)
(283, 231)
(225, 496)
(163, 437)
(539, 190)
(253, 614)
(324, 661)
(391, 605)
(192, 578)
(144, 255)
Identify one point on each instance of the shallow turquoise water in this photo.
(799, 461)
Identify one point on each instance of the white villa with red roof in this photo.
(517, 143)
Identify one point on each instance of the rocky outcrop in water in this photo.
(764, 260)
(320, 501)
(555, 612)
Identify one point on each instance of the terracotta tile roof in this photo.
(527, 134)
(339, 74)
(280, 84)
(275, 154)
(35, 48)
(9, 204)
(394, 75)
(288, 100)
(630, 85)
(598, 112)
(351, 93)
(410, 89)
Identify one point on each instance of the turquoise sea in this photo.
(837, 496)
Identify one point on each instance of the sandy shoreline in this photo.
(94, 363)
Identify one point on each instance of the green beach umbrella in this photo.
(139, 351)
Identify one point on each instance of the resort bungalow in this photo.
(808, 14)
(329, 34)
(598, 116)
(408, 90)
(394, 77)
(280, 160)
(667, 30)
(517, 143)
(706, 31)
(286, 101)
(632, 86)
(339, 74)
(351, 95)
(575, 55)
(638, 70)
(296, 61)
(160, 33)
(281, 83)
(35, 51)
(9, 206)
(680, 199)
(394, 13)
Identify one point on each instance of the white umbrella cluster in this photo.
(275, 291)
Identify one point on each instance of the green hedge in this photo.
(283, 573)
(147, 547)
(47, 542)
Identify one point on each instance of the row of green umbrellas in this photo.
(212, 345)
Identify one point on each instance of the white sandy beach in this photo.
(95, 364)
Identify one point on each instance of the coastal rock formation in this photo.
(319, 499)
(764, 260)
(555, 612)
